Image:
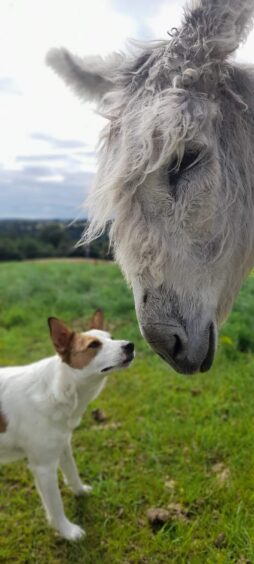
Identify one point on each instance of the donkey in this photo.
(175, 176)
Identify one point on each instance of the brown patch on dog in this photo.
(83, 349)
(75, 349)
(3, 423)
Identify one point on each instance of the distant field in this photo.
(183, 444)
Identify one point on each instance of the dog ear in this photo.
(61, 335)
(97, 321)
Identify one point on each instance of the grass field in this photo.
(182, 444)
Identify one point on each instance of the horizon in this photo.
(70, 220)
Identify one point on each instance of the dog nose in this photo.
(129, 348)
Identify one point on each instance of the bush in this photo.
(21, 239)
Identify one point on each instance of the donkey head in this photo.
(175, 176)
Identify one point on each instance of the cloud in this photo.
(46, 106)
(8, 86)
(37, 158)
(55, 157)
(168, 15)
(58, 143)
(66, 156)
(246, 51)
(42, 193)
(140, 8)
(46, 118)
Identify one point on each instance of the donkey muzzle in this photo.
(186, 350)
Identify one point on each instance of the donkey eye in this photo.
(145, 298)
(175, 170)
(94, 345)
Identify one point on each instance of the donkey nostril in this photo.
(178, 347)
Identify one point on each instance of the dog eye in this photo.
(94, 345)
(175, 170)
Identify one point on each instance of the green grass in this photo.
(168, 438)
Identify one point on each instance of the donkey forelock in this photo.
(175, 174)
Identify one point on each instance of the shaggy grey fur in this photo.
(175, 176)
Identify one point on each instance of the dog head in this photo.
(92, 352)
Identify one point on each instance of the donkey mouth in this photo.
(208, 361)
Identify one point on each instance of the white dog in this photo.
(41, 404)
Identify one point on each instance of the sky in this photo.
(48, 137)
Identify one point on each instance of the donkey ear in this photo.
(61, 335)
(97, 321)
(89, 77)
(220, 25)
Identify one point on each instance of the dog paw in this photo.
(84, 489)
(72, 532)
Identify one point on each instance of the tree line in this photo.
(25, 239)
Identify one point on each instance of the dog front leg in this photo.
(70, 472)
(47, 486)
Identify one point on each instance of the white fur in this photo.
(42, 403)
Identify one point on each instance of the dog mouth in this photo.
(128, 360)
(107, 368)
(122, 364)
